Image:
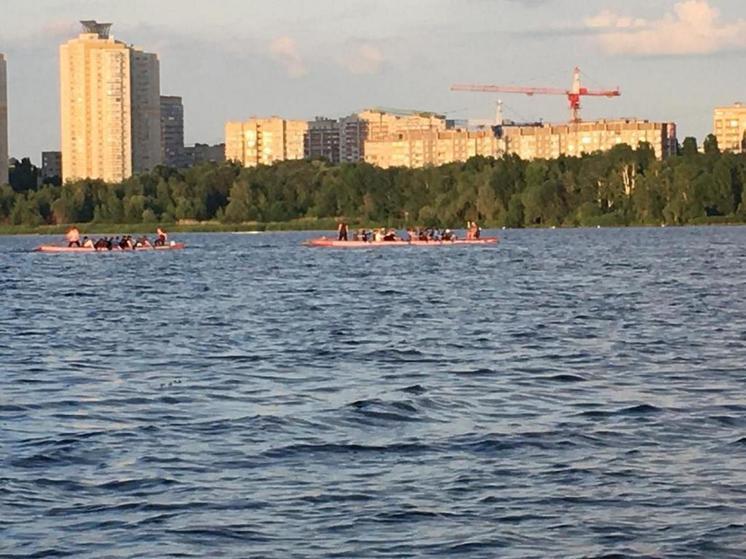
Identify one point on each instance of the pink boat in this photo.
(327, 242)
(58, 248)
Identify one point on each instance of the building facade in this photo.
(109, 107)
(4, 177)
(549, 141)
(322, 139)
(433, 147)
(204, 153)
(172, 132)
(383, 123)
(263, 141)
(352, 134)
(729, 126)
(51, 165)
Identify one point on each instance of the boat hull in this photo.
(57, 248)
(334, 243)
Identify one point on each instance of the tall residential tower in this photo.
(110, 107)
(172, 131)
(3, 123)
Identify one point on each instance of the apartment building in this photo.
(729, 126)
(263, 141)
(549, 141)
(109, 106)
(3, 122)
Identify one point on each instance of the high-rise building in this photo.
(3, 122)
(352, 133)
(110, 106)
(172, 131)
(729, 127)
(263, 141)
(431, 147)
(549, 141)
(322, 139)
(51, 165)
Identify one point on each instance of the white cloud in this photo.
(285, 50)
(366, 59)
(694, 27)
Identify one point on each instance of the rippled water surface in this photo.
(570, 393)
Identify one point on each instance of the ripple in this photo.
(253, 397)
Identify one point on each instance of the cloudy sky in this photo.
(230, 59)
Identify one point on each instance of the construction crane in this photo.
(573, 95)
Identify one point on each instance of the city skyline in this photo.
(674, 60)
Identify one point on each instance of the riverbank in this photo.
(182, 227)
(304, 224)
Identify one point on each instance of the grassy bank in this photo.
(305, 224)
(190, 227)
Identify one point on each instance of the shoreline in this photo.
(92, 228)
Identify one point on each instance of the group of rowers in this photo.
(382, 234)
(125, 242)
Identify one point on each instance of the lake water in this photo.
(569, 393)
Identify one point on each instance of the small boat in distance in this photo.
(60, 248)
(334, 243)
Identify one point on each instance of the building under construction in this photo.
(548, 141)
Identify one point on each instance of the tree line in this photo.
(621, 186)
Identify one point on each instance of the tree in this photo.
(710, 145)
(23, 175)
(689, 147)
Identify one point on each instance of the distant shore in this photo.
(184, 227)
(307, 224)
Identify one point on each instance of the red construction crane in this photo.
(573, 95)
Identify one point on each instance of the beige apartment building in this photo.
(729, 125)
(263, 141)
(422, 148)
(549, 141)
(3, 122)
(109, 107)
(381, 124)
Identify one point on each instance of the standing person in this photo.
(73, 237)
(342, 231)
(161, 237)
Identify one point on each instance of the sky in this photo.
(674, 60)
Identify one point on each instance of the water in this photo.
(570, 393)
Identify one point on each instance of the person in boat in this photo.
(101, 244)
(390, 235)
(378, 235)
(73, 237)
(143, 242)
(477, 230)
(448, 235)
(342, 231)
(161, 237)
(126, 243)
(88, 243)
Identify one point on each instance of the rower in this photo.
(73, 237)
(342, 231)
(161, 237)
(87, 243)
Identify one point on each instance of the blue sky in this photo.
(230, 59)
